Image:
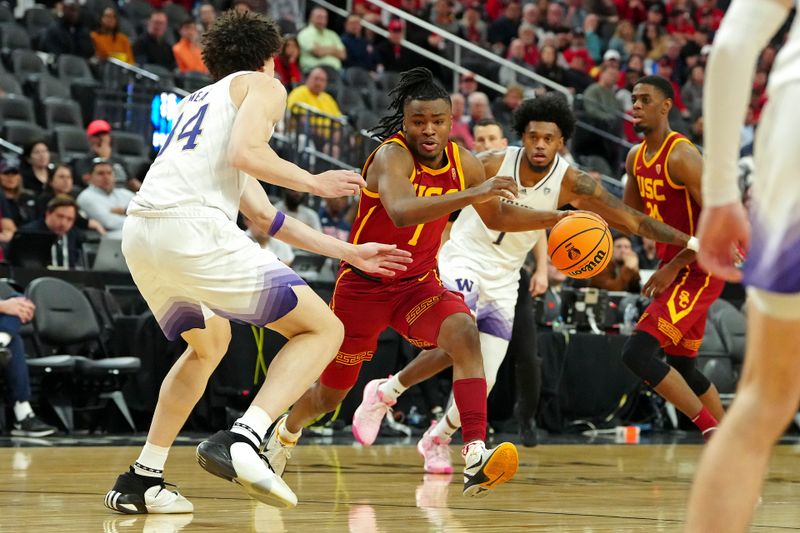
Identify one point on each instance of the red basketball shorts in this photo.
(415, 308)
(677, 316)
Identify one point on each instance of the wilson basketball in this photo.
(580, 245)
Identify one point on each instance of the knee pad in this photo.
(687, 368)
(493, 350)
(640, 355)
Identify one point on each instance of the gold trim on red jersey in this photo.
(653, 159)
(676, 315)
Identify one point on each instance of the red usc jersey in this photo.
(663, 199)
(373, 224)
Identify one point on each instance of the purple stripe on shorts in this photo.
(274, 301)
(493, 321)
(181, 317)
(773, 261)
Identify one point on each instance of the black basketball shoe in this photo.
(135, 494)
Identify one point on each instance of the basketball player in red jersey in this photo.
(415, 179)
(664, 181)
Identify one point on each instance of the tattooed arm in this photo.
(584, 192)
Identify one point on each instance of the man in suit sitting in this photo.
(59, 219)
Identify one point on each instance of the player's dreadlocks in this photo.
(415, 84)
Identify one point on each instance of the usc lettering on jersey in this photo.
(373, 224)
(663, 199)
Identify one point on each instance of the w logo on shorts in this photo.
(464, 285)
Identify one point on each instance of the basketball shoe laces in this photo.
(441, 452)
(379, 408)
(285, 450)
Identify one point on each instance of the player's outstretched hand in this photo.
(502, 186)
(722, 231)
(383, 259)
(336, 183)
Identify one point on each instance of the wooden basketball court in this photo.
(587, 488)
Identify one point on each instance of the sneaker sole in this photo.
(501, 466)
(208, 457)
(32, 434)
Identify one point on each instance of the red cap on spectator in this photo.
(395, 25)
(96, 127)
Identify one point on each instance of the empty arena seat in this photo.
(21, 133)
(138, 11)
(70, 68)
(193, 81)
(49, 88)
(16, 107)
(732, 327)
(70, 142)
(13, 37)
(51, 376)
(66, 324)
(128, 144)
(26, 65)
(6, 14)
(37, 19)
(62, 113)
(10, 85)
(175, 14)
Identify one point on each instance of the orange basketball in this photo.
(580, 245)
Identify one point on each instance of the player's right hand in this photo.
(383, 259)
(502, 186)
(337, 183)
(722, 231)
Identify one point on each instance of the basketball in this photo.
(580, 245)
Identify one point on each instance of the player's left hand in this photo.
(722, 231)
(660, 280)
(383, 259)
(538, 283)
(337, 183)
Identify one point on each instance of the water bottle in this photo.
(629, 320)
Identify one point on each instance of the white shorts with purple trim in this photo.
(193, 263)
(773, 261)
(489, 291)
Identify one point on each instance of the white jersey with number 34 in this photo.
(192, 168)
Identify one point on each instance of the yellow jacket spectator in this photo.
(312, 93)
(109, 41)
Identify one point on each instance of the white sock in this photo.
(286, 437)
(392, 388)
(151, 461)
(447, 425)
(253, 424)
(22, 410)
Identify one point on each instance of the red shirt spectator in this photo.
(569, 53)
(633, 10)
(495, 8)
(679, 22)
(286, 67)
(709, 9)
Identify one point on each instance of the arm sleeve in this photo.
(729, 78)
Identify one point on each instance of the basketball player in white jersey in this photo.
(197, 270)
(730, 475)
(483, 265)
